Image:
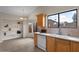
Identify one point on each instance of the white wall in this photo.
(10, 34)
(25, 28)
(12, 21)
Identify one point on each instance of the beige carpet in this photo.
(19, 45)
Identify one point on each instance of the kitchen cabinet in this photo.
(50, 44)
(62, 45)
(41, 20)
(35, 39)
(56, 43)
(74, 46)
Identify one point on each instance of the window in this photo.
(67, 19)
(53, 21)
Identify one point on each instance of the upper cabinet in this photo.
(41, 20)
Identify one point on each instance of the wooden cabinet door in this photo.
(74, 46)
(41, 20)
(50, 44)
(62, 45)
(35, 40)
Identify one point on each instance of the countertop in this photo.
(60, 36)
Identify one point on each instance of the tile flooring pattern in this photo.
(19, 45)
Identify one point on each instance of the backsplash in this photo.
(65, 31)
(52, 30)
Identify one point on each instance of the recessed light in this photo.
(21, 18)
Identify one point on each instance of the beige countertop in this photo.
(59, 36)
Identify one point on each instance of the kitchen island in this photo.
(57, 43)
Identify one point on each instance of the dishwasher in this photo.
(41, 42)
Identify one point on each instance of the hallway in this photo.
(19, 45)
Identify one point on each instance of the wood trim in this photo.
(35, 39)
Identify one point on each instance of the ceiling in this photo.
(17, 10)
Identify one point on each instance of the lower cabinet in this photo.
(62, 45)
(74, 46)
(57, 44)
(50, 44)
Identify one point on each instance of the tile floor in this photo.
(19, 45)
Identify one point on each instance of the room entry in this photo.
(30, 28)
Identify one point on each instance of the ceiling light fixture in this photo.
(22, 17)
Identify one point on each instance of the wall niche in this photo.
(18, 32)
(6, 25)
(4, 33)
(9, 29)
